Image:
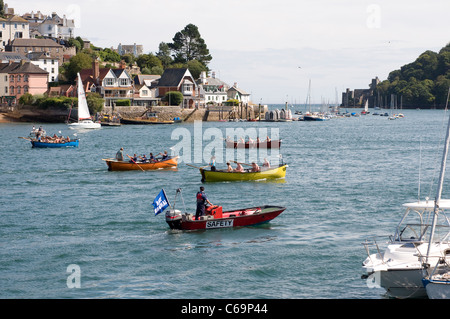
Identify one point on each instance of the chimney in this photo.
(203, 77)
(235, 85)
(95, 70)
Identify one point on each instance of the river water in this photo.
(62, 211)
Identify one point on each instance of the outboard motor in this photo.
(173, 218)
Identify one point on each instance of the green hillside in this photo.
(423, 83)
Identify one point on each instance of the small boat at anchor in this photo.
(116, 165)
(84, 117)
(222, 175)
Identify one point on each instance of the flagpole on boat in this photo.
(440, 184)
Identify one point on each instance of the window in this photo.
(109, 82)
(11, 78)
(19, 78)
(6, 90)
(1, 36)
(25, 78)
(144, 92)
(53, 61)
(123, 82)
(11, 89)
(25, 89)
(53, 70)
(19, 90)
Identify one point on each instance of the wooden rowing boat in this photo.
(115, 165)
(215, 218)
(38, 144)
(247, 175)
(140, 121)
(262, 144)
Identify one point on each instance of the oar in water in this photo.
(201, 167)
(25, 138)
(135, 163)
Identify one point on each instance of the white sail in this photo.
(83, 110)
(84, 117)
(366, 106)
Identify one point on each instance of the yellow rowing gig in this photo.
(247, 175)
(115, 165)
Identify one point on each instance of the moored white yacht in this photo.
(84, 118)
(400, 268)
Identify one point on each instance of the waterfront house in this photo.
(112, 84)
(237, 93)
(212, 90)
(180, 80)
(18, 78)
(13, 28)
(145, 86)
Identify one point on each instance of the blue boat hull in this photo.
(54, 145)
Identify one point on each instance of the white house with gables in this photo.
(212, 90)
(238, 94)
(112, 84)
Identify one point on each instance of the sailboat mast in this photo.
(440, 184)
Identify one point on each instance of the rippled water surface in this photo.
(346, 181)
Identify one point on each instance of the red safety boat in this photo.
(216, 218)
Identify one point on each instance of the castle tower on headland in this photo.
(358, 97)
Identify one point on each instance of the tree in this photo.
(173, 97)
(188, 45)
(2, 9)
(149, 61)
(77, 63)
(196, 68)
(95, 102)
(164, 54)
(422, 83)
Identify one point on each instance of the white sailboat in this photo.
(402, 266)
(437, 283)
(84, 117)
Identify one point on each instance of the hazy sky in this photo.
(273, 48)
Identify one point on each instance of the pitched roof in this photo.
(35, 43)
(21, 67)
(145, 78)
(18, 19)
(12, 56)
(172, 77)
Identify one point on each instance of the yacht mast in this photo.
(441, 182)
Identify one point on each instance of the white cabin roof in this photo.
(443, 204)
